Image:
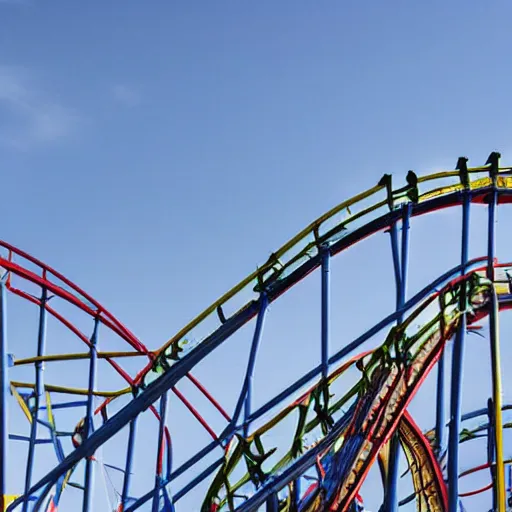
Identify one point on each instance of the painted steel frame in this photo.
(158, 389)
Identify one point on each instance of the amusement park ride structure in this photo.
(57, 422)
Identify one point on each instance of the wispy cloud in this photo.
(28, 116)
(126, 95)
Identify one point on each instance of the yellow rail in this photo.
(73, 391)
(501, 490)
(76, 356)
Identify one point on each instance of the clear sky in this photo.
(156, 152)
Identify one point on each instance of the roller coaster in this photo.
(105, 412)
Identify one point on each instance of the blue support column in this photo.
(4, 433)
(38, 391)
(493, 161)
(391, 494)
(252, 360)
(296, 492)
(393, 232)
(491, 435)
(245, 398)
(89, 418)
(458, 355)
(158, 476)
(491, 460)
(441, 367)
(406, 216)
(247, 408)
(129, 462)
(440, 414)
(325, 310)
(273, 503)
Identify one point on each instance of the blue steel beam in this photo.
(509, 481)
(67, 405)
(491, 249)
(16, 437)
(4, 384)
(491, 449)
(38, 391)
(391, 494)
(89, 417)
(440, 406)
(325, 304)
(129, 462)
(392, 473)
(457, 371)
(404, 263)
(462, 167)
(482, 412)
(273, 503)
(158, 474)
(244, 400)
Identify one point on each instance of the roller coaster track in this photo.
(381, 208)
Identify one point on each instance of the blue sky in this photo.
(155, 153)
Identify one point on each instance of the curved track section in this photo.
(335, 435)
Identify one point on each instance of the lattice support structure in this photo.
(337, 436)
